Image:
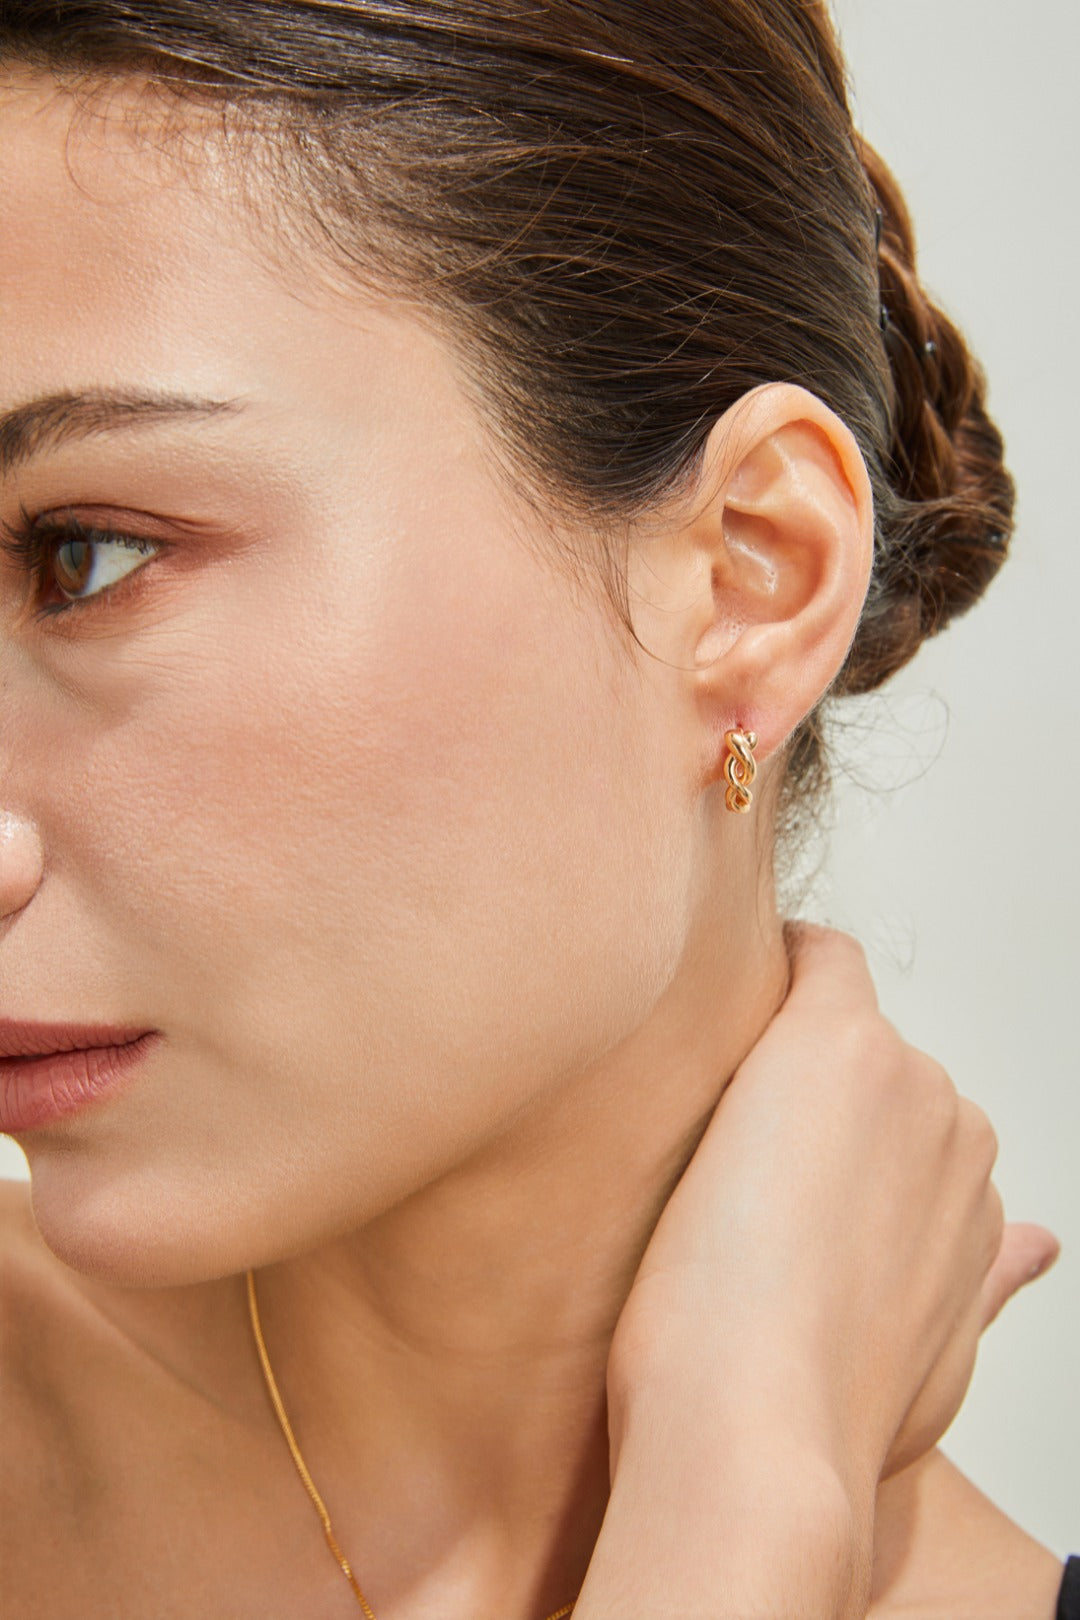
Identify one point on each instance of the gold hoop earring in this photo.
(740, 768)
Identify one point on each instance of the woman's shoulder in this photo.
(76, 1346)
(944, 1548)
(52, 1364)
(35, 1305)
(18, 1285)
(39, 1444)
(48, 1318)
(119, 1443)
(18, 1231)
(79, 1376)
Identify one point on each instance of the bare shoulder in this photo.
(33, 1297)
(44, 1334)
(118, 1443)
(18, 1232)
(47, 1320)
(19, 1238)
(77, 1352)
(944, 1551)
(36, 1331)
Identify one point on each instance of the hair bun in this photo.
(946, 531)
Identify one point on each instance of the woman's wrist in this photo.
(734, 1395)
(712, 1517)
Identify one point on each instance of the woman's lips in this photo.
(24, 1036)
(38, 1090)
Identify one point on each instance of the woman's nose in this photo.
(22, 859)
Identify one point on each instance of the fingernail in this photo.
(1041, 1266)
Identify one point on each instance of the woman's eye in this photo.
(86, 566)
(74, 561)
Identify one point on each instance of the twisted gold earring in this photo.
(740, 768)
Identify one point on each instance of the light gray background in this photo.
(959, 870)
(962, 879)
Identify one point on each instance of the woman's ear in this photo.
(754, 587)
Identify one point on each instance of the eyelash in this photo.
(30, 542)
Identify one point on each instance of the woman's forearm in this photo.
(715, 1520)
(718, 1526)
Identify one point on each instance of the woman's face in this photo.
(339, 785)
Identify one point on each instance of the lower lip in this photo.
(36, 1091)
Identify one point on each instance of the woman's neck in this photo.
(444, 1366)
(446, 1363)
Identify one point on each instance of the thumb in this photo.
(1027, 1252)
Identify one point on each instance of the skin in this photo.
(804, 1324)
(346, 759)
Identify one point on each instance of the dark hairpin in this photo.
(884, 317)
(879, 225)
(929, 347)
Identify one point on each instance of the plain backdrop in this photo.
(953, 852)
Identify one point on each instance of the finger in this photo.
(827, 963)
(1027, 1251)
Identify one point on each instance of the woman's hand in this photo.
(835, 1246)
(806, 1317)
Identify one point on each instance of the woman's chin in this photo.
(124, 1231)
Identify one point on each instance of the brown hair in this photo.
(631, 215)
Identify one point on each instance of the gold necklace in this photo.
(301, 1466)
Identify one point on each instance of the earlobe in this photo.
(789, 527)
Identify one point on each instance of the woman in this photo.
(449, 452)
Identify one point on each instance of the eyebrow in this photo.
(57, 419)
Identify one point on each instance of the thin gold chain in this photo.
(301, 1466)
